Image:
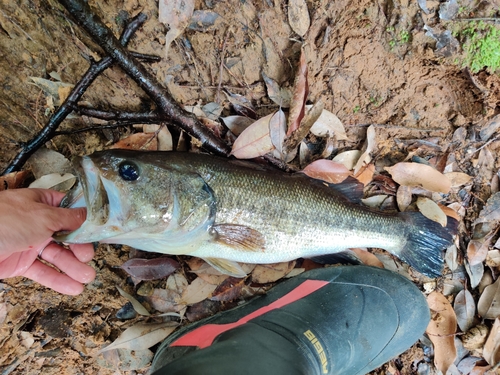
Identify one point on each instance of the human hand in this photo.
(28, 219)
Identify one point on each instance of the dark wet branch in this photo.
(48, 132)
(102, 35)
(136, 117)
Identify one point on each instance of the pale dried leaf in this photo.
(142, 336)
(124, 359)
(420, 175)
(165, 141)
(254, 141)
(490, 128)
(480, 370)
(491, 350)
(375, 201)
(451, 257)
(327, 170)
(298, 16)
(176, 15)
(138, 307)
(493, 258)
(465, 310)
(491, 211)
(241, 104)
(441, 330)
(403, 197)
(348, 158)
(458, 179)
(431, 210)
(477, 249)
(294, 272)
(300, 92)
(328, 125)
(55, 181)
(488, 305)
(370, 144)
(197, 291)
(46, 161)
(237, 123)
(475, 272)
(367, 258)
(277, 130)
(282, 96)
(177, 282)
(486, 164)
(268, 273)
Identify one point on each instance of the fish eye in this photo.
(128, 171)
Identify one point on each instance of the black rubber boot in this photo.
(337, 320)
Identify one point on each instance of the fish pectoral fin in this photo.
(227, 267)
(239, 237)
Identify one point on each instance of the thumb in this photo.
(69, 218)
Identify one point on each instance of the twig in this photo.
(96, 68)
(101, 34)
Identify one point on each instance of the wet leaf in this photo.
(136, 304)
(298, 16)
(300, 92)
(228, 290)
(142, 336)
(254, 141)
(176, 14)
(277, 131)
(441, 330)
(328, 125)
(488, 305)
(13, 180)
(150, 269)
(370, 145)
(268, 273)
(491, 350)
(197, 291)
(420, 175)
(465, 309)
(348, 158)
(237, 123)
(282, 96)
(138, 141)
(55, 181)
(431, 210)
(327, 170)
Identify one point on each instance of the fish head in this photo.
(139, 199)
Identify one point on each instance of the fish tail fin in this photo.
(425, 242)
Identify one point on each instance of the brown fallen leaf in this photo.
(228, 290)
(441, 330)
(327, 170)
(298, 16)
(420, 175)
(206, 271)
(282, 96)
(367, 258)
(138, 141)
(491, 350)
(403, 197)
(458, 179)
(300, 92)
(369, 146)
(365, 174)
(150, 269)
(197, 291)
(431, 210)
(268, 273)
(254, 141)
(488, 306)
(13, 180)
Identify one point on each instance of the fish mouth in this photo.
(90, 193)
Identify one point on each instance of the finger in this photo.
(47, 196)
(68, 218)
(84, 252)
(51, 278)
(68, 263)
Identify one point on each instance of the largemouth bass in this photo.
(227, 211)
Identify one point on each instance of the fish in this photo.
(232, 211)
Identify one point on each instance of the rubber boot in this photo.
(336, 320)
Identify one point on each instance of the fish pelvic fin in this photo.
(239, 237)
(426, 242)
(227, 267)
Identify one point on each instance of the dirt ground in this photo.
(358, 65)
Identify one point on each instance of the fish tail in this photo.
(426, 240)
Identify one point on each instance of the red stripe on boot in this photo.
(204, 336)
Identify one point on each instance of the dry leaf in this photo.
(165, 141)
(176, 15)
(237, 123)
(403, 197)
(150, 269)
(488, 305)
(365, 174)
(370, 144)
(475, 272)
(327, 170)
(477, 249)
(431, 210)
(329, 125)
(52, 88)
(206, 271)
(420, 175)
(300, 92)
(254, 141)
(281, 96)
(491, 350)
(241, 105)
(13, 180)
(348, 158)
(228, 290)
(268, 273)
(458, 179)
(306, 122)
(490, 128)
(367, 258)
(197, 291)
(138, 141)
(465, 310)
(298, 16)
(491, 211)
(441, 330)
(277, 131)
(138, 307)
(142, 336)
(54, 181)
(451, 257)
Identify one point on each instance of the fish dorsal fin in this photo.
(239, 237)
(227, 267)
(351, 188)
